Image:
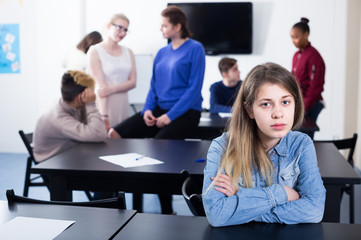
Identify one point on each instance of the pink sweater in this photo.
(62, 126)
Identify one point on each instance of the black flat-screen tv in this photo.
(220, 27)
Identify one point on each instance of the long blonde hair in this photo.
(244, 150)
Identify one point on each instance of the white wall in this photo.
(356, 21)
(18, 92)
(49, 28)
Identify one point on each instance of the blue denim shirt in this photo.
(295, 164)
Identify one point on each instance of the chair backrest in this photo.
(348, 143)
(28, 140)
(192, 194)
(116, 202)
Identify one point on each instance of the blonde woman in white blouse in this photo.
(113, 68)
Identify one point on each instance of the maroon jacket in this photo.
(309, 69)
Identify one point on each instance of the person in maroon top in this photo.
(309, 69)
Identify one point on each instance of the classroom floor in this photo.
(12, 172)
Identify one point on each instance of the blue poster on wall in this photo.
(9, 48)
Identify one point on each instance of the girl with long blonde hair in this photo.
(261, 170)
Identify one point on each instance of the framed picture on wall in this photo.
(9, 48)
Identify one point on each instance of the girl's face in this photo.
(118, 29)
(299, 39)
(273, 111)
(169, 30)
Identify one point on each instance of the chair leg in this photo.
(27, 178)
(90, 197)
(352, 204)
(138, 202)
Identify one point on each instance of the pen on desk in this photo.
(142, 156)
(200, 160)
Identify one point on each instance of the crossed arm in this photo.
(224, 205)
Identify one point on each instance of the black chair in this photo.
(29, 180)
(38, 180)
(116, 202)
(192, 194)
(343, 144)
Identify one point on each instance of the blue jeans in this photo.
(313, 114)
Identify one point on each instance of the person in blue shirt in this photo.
(224, 92)
(261, 170)
(174, 103)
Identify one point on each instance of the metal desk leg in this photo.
(138, 202)
(58, 190)
(333, 203)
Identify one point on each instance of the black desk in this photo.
(159, 227)
(210, 126)
(91, 223)
(335, 172)
(80, 168)
(210, 120)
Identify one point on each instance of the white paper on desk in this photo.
(129, 160)
(203, 119)
(225, 115)
(33, 228)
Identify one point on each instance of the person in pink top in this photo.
(309, 69)
(72, 119)
(113, 68)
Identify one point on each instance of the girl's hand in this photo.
(163, 121)
(224, 185)
(149, 119)
(291, 193)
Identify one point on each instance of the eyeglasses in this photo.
(120, 28)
